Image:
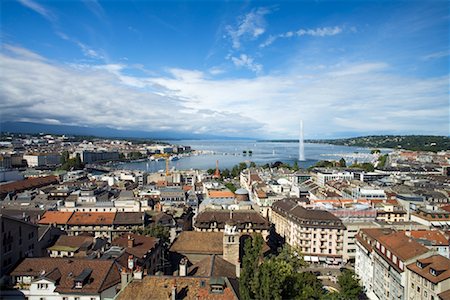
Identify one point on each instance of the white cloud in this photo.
(321, 31)
(250, 26)
(361, 98)
(247, 62)
(86, 50)
(101, 95)
(315, 32)
(437, 55)
(39, 9)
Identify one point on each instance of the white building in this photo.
(324, 176)
(42, 159)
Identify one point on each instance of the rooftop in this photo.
(142, 244)
(55, 217)
(198, 242)
(105, 273)
(435, 268)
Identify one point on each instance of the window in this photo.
(76, 298)
(42, 286)
(65, 298)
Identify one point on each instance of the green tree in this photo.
(277, 277)
(382, 161)
(252, 164)
(231, 186)
(78, 163)
(64, 157)
(250, 266)
(157, 231)
(342, 163)
(225, 173)
(350, 287)
(210, 171)
(375, 151)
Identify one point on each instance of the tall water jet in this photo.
(301, 144)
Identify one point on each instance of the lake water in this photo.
(230, 153)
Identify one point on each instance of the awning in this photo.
(307, 258)
(314, 259)
(322, 258)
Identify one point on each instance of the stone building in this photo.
(317, 233)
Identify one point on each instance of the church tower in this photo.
(231, 244)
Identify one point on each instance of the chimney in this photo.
(183, 267)
(130, 241)
(124, 279)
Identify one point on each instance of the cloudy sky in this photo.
(231, 68)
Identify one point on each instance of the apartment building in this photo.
(381, 261)
(318, 233)
(429, 278)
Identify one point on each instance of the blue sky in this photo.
(232, 68)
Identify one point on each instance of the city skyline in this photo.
(240, 69)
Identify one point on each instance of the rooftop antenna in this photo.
(301, 146)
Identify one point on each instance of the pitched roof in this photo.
(435, 237)
(213, 266)
(368, 236)
(438, 263)
(26, 184)
(160, 287)
(402, 246)
(198, 242)
(129, 218)
(445, 295)
(71, 243)
(238, 217)
(289, 208)
(56, 217)
(142, 244)
(92, 218)
(105, 273)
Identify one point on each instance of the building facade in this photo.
(317, 233)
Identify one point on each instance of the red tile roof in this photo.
(221, 194)
(92, 218)
(434, 236)
(402, 246)
(438, 263)
(55, 217)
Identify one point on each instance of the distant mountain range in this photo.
(34, 128)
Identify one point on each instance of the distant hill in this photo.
(407, 142)
(33, 128)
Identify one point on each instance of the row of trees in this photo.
(284, 277)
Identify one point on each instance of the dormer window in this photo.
(83, 278)
(419, 264)
(433, 272)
